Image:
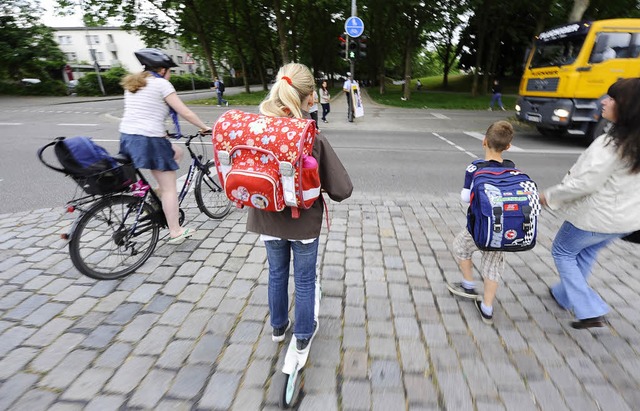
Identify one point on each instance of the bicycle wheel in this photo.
(210, 195)
(104, 244)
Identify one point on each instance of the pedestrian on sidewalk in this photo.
(346, 88)
(313, 110)
(218, 86)
(600, 195)
(291, 96)
(325, 101)
(497, 139)
(496, 95)
(149, 98)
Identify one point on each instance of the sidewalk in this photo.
(190, 330)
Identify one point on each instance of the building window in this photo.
(110, 36)
(64, 40)
(180, 59)
(100, 56)
(93, 39)
(71, 57)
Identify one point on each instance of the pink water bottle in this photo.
(309, 162)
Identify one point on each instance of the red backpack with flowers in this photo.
(265, 162)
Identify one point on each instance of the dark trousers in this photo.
(326, 109)
(314, 116)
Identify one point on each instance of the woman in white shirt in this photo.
(600, 194)
(149, 98)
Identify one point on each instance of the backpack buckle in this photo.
(286, 169)
(497, 214)
(224, 158)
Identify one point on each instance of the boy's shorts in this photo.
(492, 263)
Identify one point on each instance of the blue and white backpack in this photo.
(503, 210)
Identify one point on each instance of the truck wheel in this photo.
(599, 129)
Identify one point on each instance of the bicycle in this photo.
(116, 232)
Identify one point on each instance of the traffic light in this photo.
(342, 46)
(362, 47)
(353, 49)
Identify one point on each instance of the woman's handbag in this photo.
(633, 237)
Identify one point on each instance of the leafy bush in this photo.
(88, 84)
(183, 82)
(45, 88)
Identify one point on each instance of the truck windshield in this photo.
(560, 52)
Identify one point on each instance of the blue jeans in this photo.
(496, 98)
(220, 99)
(326, 108)
(574, 252)
(304, 276)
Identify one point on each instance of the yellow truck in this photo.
(568, 71)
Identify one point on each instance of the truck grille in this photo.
(543, 84)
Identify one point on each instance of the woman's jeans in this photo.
(326, 108)
(304, 276)
(574, 252)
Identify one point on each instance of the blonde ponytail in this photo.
(294, 83)
(134, 82)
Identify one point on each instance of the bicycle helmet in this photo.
(154, 58)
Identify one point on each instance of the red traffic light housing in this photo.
(342, 46)
(362, 46)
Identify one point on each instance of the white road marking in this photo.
(10, 124)
(77, 124)
(480, 137)
(470, 154)
(440, 116)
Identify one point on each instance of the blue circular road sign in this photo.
(354, 26)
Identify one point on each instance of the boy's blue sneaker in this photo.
(459, 290)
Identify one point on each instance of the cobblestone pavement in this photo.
(190, 329)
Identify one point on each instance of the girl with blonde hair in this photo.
(291, 96)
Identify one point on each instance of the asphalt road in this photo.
(390, 150)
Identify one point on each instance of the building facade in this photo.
(109, 47)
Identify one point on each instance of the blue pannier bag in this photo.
(91, 166)
(503, 210)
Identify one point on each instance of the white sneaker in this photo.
(298, 353)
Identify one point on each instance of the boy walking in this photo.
(218, 86)
(497, 139)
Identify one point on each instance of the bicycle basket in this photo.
(89, 165)
(109, 181)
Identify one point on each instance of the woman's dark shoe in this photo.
(589, 323)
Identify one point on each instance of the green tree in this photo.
(26, 46)
(443, 37)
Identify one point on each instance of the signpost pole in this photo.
(352, 66)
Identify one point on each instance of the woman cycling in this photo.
(149, 98)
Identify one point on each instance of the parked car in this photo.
(29, 81)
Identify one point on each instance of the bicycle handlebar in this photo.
(190, 137)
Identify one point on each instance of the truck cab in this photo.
(569, 70)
